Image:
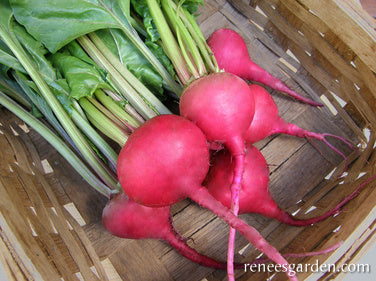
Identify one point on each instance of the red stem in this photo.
(235, 190)
(294, 130)
(191, 254)
(204, 199)
(303, 255)
(288, 219)
(258, 74)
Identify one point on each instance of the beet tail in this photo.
(260, 75)
(235, 190)
(178, 242)
(182, 247)
(304, 255)
(204, 199)
(290, 220)
(286, 218)
(299, 132)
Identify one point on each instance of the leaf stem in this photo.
(57, 108)
(58, 144)
(187, 44)
(199, 38)
(113, 107)
(126, 74)
(111, 117)
(136, 40)
(117, 79)
(96, 138)
(129, 109)
(169, 42)
(103, 123)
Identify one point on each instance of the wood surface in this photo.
(323, 50)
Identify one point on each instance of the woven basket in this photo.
(50, 218)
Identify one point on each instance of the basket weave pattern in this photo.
(50, 218)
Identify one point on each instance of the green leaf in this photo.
(7, 58)
(142, 9)
(83, 79)
(120, 10)
(5, 14)
(60, 89)
(10, 87)
(35, 49)
(191, 5)
(56, 24)
(7, 35)
(161, 55)
(75, 50)
(132, 58)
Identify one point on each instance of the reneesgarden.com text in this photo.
(308, 267)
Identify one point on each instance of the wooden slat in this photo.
(316, 42)
(59, 216)
(305, 16)
(362, 41)
(12, 265)
(329, 53)
(252, 14)
(353, 224)
(369, 79)
(318, 73)
(137, 262)
(365, 108)
(38, 265)
(295, 41)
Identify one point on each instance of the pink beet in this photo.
(222, 106)
(266, 121)
(232, 55)
(254, 194)
(125, 218)
(165, 160)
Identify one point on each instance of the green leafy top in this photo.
(142, 9)
(56, 23)
(63, 21)
(83, 79)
